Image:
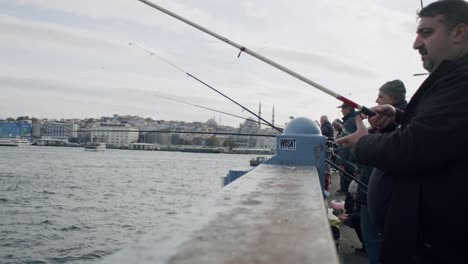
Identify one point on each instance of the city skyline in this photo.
(97, 118)
(65, 60)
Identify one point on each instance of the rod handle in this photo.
(367, 111)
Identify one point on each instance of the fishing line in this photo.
(211, 109)
(343, 160)
(348, 176)
(207, 85)
(345, 100)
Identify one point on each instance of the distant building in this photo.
(59, 130)
(36, 129)
(249, 126)
(212, 123)
(15, 129)
(114, 135)
(84, 134)
(266, 143)
(175, 139)
(158, 138)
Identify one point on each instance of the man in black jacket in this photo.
(349, 127)
(326, 128)
(423, 223)
(375, 202)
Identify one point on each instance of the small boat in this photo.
(95, 146)
(257, 161)
(14, 142)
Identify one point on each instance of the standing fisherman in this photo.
(349, 127)
(430, 174)
(326, 128)
(327, 131)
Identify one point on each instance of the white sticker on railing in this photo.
(287, 144)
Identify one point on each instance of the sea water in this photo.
(65, 205)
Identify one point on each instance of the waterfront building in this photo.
(266, 143)
(36, 129)
(59, 130)
(159, 138)
(114, 135)
(249, 126)
(12, 129)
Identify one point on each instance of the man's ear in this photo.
(460, 33)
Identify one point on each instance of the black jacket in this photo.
(327, 130)
(349, 127)
(428, 158)
(380, 186)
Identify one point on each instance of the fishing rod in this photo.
(345, 100)
(348, 175)
(180, 132)
(207, 85)
(211, 109)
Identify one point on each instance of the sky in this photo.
(72, 59)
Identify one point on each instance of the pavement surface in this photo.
(349, 240)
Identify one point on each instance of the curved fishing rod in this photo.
(180, 132)
(207, 85)
(363, 109)
(211, 109)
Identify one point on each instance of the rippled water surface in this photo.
(62, 205)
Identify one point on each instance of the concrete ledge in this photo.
(273, 214)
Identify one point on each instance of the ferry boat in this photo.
(14, 142)
(95, 147)
(257, 161)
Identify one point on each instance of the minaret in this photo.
(259, 114)
(273, 116)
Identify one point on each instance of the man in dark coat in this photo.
(326, 128)
(425, 220)
(375, 202)
(349, 127)
(380, 184)
(327, 131)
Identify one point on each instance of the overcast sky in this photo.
(71, 59)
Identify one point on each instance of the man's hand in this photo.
(343, 217)
(352, 139)
(385, 116)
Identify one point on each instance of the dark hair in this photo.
(454, 12)
(351, 109)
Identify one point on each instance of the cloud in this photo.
(77, 51)
(322, 60)
(33, 35)
(118, 10)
